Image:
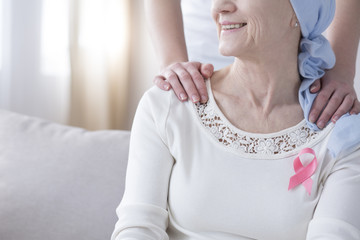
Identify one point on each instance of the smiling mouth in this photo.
(233, 26)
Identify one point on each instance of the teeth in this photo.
(232, 26)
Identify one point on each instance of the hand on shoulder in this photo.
(186, 79)
(336, 97)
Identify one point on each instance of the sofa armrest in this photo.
(59, 182)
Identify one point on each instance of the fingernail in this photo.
(183, 96)
(312, 118)
(203, 99)
(321, 124)
(313, 88)
(335, 119)
(352, 113)
(195, 98)
(166, 86)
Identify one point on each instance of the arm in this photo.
(143, 210)
(344, 34)
(166, 30)
(167, 33)
(338, 83)
(337, 215)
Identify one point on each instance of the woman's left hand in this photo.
(336, 97)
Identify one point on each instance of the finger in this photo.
(207, 70)
(199, 83)
(159, 81)
(187, 81)
(316, 86)
(334, 103)
(319, 104)
(345, 106)
(172, 78)
(356, 108)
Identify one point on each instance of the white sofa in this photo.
(58, 182)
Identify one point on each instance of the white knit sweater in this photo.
(193, 175)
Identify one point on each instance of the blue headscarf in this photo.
(315, 57)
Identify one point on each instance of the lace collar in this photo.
(273, 144)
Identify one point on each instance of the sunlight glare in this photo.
(117, 30)
(55, 37)
(104, 27)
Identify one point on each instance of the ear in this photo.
(294, 21)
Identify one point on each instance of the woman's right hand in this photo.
(186, 79)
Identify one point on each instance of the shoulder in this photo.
(161, 105)
(162, 112)
(155, 94)
(345, 137)
(151, 114)
(159, 101)
(154, 105)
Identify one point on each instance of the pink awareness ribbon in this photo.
(303, 173)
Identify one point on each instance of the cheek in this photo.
(257, 30)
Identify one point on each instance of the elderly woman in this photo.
(246, 164)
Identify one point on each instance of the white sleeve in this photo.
(143, 210)
(337, 215)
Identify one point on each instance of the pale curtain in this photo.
(99, 53)
(67, 61)
(34, 66)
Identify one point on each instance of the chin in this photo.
(229, 52)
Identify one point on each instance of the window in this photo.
(55, 38)
(103, 24)
(1, 33)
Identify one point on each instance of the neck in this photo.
(265, 82)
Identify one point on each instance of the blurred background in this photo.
(83, 63)
(78, 62)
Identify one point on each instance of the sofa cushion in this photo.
(58, 182)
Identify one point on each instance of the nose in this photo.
(223, 6)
